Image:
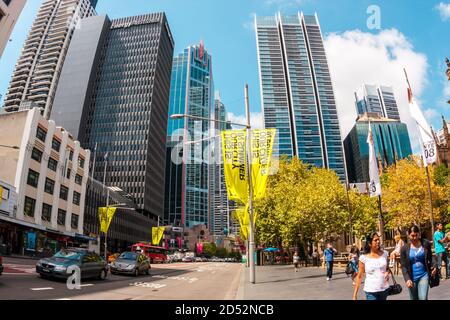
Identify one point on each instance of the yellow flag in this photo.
(1, 194)
(261, 147)
(157, 234)
(243, 215)
(235, 165)
(106, 215)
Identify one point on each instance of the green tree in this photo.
(441, 175)
(209, 249)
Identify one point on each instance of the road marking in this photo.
(63, 299)
(148, 285)
(41, 289)
(86, 285)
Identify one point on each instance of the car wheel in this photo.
(102, 275)
(147, 272)
(136, 272)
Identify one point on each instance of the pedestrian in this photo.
(374, 264)
(329, 257)
(296, 260)
(439, 248)
(315, 257)
(354, 261)
(417, 264)
(396, 252)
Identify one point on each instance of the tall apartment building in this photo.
(49, 171)
(114, 92)
(220, 207)
(9, 13)
(377, 99)
(38, 69)
(296, 90)
(187, 152)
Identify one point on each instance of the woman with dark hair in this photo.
(373, 263)
(417, 264)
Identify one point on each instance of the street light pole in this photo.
(250, 187)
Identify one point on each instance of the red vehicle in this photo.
(154, 253)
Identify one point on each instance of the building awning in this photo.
(36, 226)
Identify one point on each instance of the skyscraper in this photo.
(377, 99)
(39, 66)
(187, 152)
(296, 90)
(117, 79)
(9, 13)
(391, 140)
(220, 207)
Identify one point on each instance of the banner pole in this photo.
(250, 187)
(431, 202)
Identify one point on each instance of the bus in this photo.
(155, 254)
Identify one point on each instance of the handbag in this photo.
(395, 288)
(434, 280)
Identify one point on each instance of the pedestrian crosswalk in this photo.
(19, 269)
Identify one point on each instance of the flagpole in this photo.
(380, 218)
(250, 187)
(107, 204)
(426, 166)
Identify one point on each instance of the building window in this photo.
(69, 171)
(52, 164)
(28, 209)
(78, 179)
(61, 217)
(7, 2)
(36, 155)
(5, 194)
(56, 144)
(46, 212)
(41, 134)
(74, 221)
(49, 186)
(81, 162)
(71, 155)
(33, 178)
(76, 198)
(63, 192)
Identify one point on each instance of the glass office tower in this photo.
(188, 143)
(296, 90)
(377, 99)
(391, 140)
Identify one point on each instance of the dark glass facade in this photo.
(391, 140)
(296, 89)
(187, 194)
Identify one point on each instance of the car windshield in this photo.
(71, 255)
(128, 256)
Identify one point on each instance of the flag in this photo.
(1, 194)
(157, 234)
(374, 185)
(234, 152)
(428, 144)
(261, 150)
(106, 215)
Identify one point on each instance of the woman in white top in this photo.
(373, 263)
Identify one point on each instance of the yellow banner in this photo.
(235, 165)
(261, 147)
(106, 215)
(243, 215)
(157, 234)
(1, 194)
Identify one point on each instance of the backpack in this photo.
(349, 269)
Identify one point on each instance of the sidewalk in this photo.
(282, 283)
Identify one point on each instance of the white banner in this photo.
(375, 184)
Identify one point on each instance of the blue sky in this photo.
(414, 33)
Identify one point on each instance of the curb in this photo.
(241, 290)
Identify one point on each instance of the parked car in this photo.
(187, 259)
(131, 263)
(204, 259)
(91, 264)
(1, 264)
(198, 259)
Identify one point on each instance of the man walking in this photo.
(329, 257)
(439, 248)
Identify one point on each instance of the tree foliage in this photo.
(406, 197)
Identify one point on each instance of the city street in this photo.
(183, 281)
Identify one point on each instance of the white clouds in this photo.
(256, 119)
(444, 9)
(250, 24)
(357, 57)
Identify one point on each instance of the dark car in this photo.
(131, 263)
(1, 264)
(91, 264)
